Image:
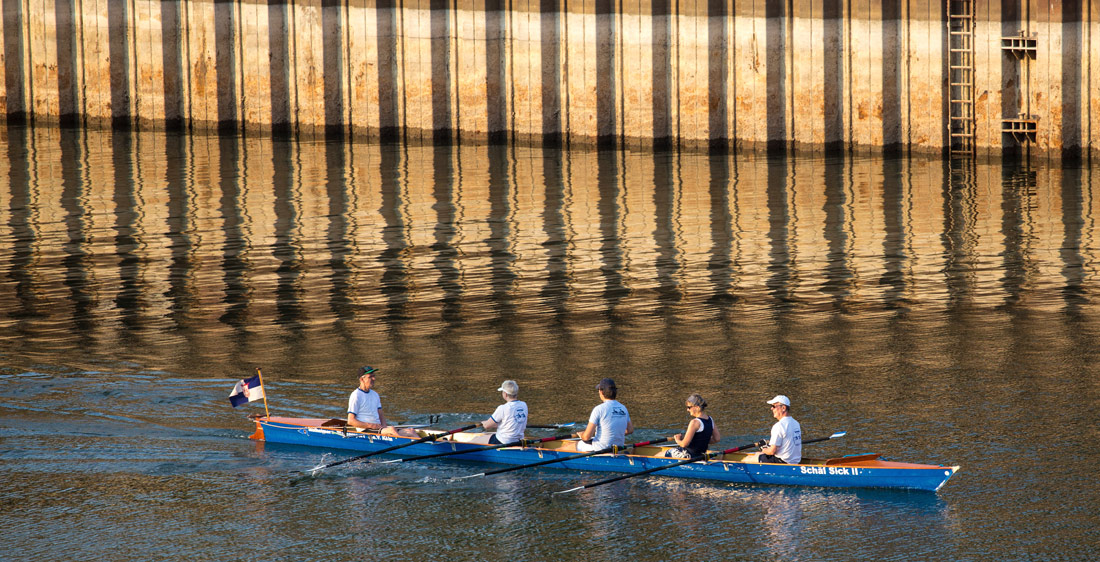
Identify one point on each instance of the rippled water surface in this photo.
(939, 312)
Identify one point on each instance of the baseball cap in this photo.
(780, 399)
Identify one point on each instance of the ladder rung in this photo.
(962, 135)
(963, 84)
(962, 101)
(971, 68)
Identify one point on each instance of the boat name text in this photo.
(831, 470)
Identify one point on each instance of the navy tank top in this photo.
(701, 439)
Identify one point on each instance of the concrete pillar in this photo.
(698, 74)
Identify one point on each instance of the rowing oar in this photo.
(388, 449)
(552, 426)
(520, 443)
(696, 458)
(569, 458)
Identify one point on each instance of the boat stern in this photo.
(259, 434)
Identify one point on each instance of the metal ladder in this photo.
(960, 32)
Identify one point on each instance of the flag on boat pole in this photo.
(249, 390)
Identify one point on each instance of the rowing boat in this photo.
(852, 471)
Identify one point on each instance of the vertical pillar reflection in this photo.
(958, 233)
(22, 222)
(725, 232)
(235, 264)
(666, 196)
(78, 265)
(444, 248)
(1018, 183)
(555, 291)
(394, 258)
(185, 247)
(502, 232)
(839, 273)
(339, 235)
(896, 211)
(781, 278)
(286, 249)
(1074, 291)
(131, 297)
(608, 183)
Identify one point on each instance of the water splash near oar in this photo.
(313, 471)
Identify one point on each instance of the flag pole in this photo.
(261, 375)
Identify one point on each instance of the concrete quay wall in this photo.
(633, 73)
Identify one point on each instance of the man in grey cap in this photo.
(785, 446)
(509, 419)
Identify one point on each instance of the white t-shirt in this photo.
(511, 418)
(365, 405)
(787, 436)
(611, 419)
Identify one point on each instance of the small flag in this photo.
(247, 390)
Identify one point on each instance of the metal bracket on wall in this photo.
(1022, 128)
(1024, 48)
(1021, 46)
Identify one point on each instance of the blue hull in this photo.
(875, 474)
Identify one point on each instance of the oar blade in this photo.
(838, 434)
(578, 488)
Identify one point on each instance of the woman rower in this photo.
(608, 425)
(700, 431)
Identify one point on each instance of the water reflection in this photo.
(157, 233)
(939, 312)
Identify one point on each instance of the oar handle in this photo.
(703, 457)
(695, 458)
(759, 443)
(571, 457)
(520, 443)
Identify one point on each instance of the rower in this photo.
(785, 446)
(509, 419)
(365, 408)
(700, 431)
(608, 425)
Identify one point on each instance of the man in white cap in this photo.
(509, 419)
(785, 446)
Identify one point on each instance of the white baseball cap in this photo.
(509, 387)
(780, 399)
